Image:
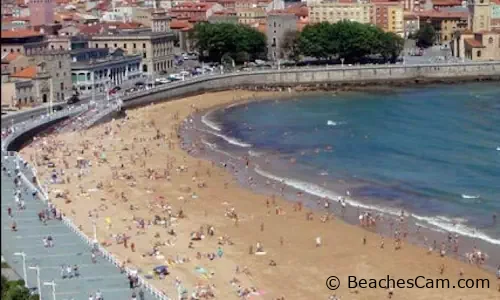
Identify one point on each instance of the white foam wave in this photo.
(214, 148)
(498, 148)
(319, 191)
(470, 196)
(456, 227)
(333, 123)
(205, 120)
(441, 223)
(230, 140)
(254, 153)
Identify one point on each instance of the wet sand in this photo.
(288, 238)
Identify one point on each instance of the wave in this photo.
(209, 123)
(213, 147)
(333, 123)
(456, 226)
(319, 191)
(228, 139)
(440, 222)
(470, 196)
(254, 153)
(498, 148)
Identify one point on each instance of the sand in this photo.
(301, 268)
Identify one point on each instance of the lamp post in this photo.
(23, 255)
(342, 62)
(53, 284)
(39, 287)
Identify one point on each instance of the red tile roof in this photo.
(175, 24)
(29, 72)
(10, 57)
(446, 2)
(19, 33)
(474, 43)
(442, 14)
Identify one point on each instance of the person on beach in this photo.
(318, 241)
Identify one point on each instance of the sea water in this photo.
(433, 151)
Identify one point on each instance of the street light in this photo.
(53, 284)
(342, 61)
(23, 255)
(37, 269)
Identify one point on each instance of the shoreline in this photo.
(301, 267)
(424, 229)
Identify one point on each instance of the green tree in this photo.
(15, 290)
(390, 46)
(356, 40)
(290, 45)
(239, 41)
(318, 40)
(426, 36)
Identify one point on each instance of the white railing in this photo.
(18, 129)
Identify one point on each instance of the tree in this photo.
(239, 41)
(390, 46)
(15, 290)
(318, 40)
(290, 45)
(426, 36)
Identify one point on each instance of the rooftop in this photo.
(29, 72)
(474, 43)
(10, 57)
(19, 33)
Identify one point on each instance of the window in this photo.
(490, 41)
(106, 45)
(97, 45)
(143, 45)
(52, 47)
(116, 45)
(478, 53)
(144, 55)
(62, 86)
(124, 45)
(60, 65)
(134, 45)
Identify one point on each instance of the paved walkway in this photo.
(69, 249)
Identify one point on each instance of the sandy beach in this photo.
(138, 170)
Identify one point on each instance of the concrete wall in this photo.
(312, 76)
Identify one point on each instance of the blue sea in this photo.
(433, 151)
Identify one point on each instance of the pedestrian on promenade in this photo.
(93, 258)
(63, 272)
(13, 226)
(9, 211)
(75, 271)
(91, 297)
(69, 271)
(134, 297)
(98, 295)
(50, 241)
(141, 294)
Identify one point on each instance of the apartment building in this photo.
(156, 48)
(333, 11)
(251, 15)
(388, 16)
(278, 23)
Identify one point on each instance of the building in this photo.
(480, 15)
(224, 16)
(20, 40)
(278, 24)
(480, 43)
(251, 15)
(389, 16)
(97, 68)
(56, 62)
(41, 12)
(28, 87)
(194, 11)
(14, 62)
(160, 21)
(495, 14)
(156, 48)
(445, 23)
(338, 10)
